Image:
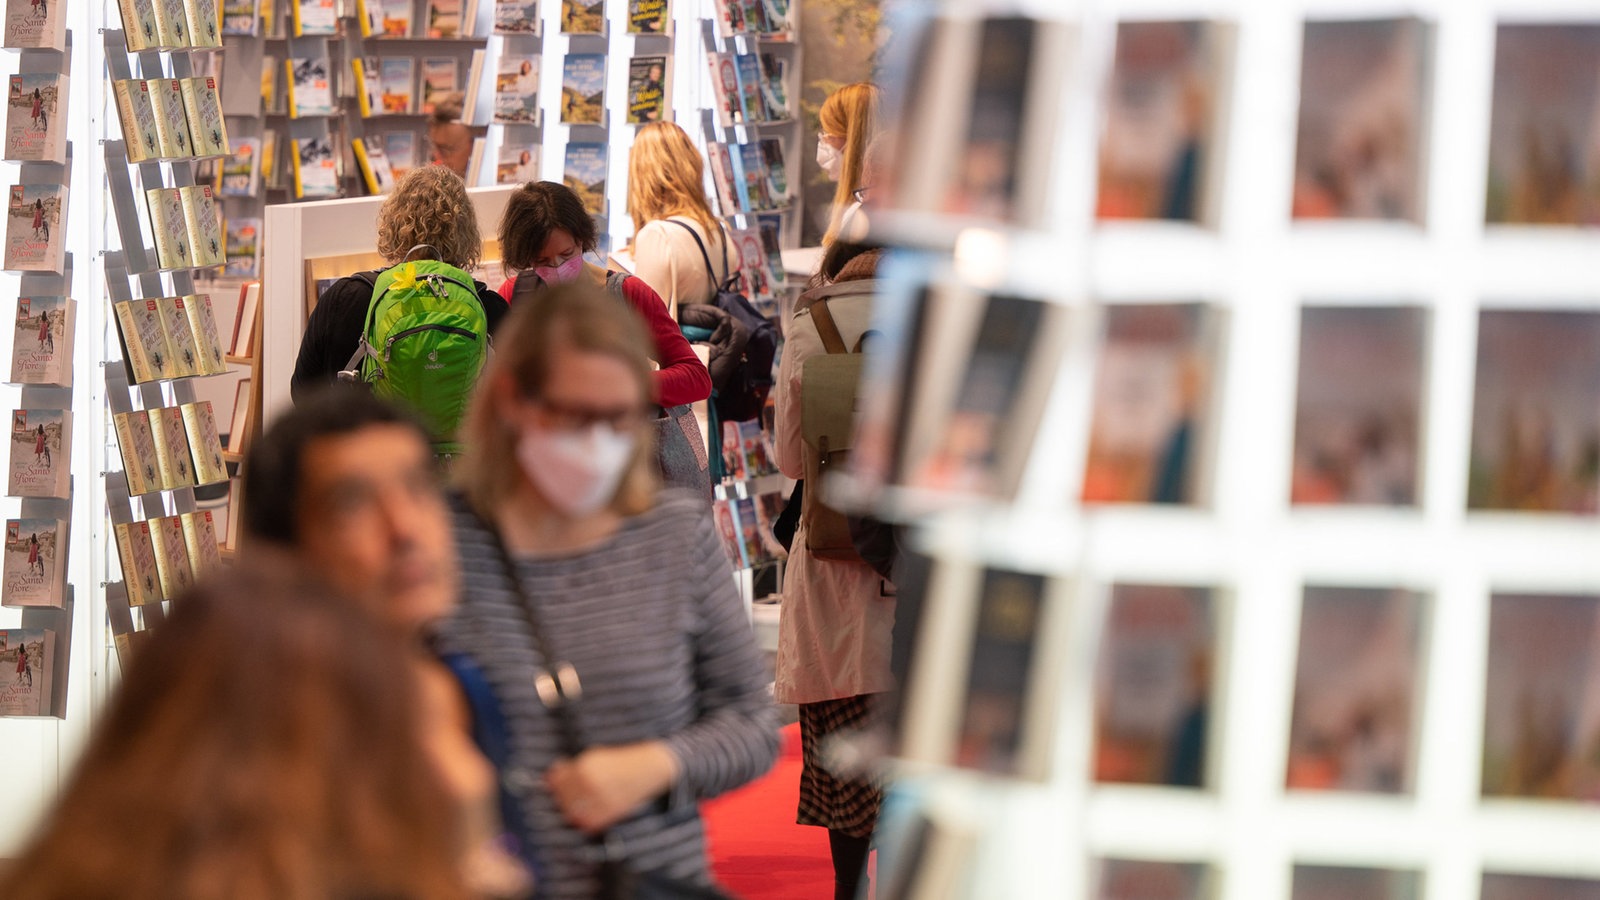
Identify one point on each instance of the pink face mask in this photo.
(561, 274)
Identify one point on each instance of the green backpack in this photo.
(426, 340)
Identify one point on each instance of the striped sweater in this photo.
(657, 633)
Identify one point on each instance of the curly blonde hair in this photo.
(666, 177)
(430, 206)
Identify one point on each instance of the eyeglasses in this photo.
(860, 193)
(571, 417)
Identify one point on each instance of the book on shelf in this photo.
(41, 453)
(1153, 686)
(242, 247)
(310, 90)
(1146, 879)
(374, 165)
(368, 87)
(583, 89)
(172, 23)
(774, 86)
(440, 75)
(35, 568)
(401, 149)
(731, 18)
(203, 323)
(516, 16)
(747, 74)
(36, 117)
(144, 340)
(769, 227)
(205, 447)
(444, 18)
(744, 519)
(41, 345)
(480, 146)
(315, 172)
(136, 551)
(733, 458)
(274, 22)
(384, 18)
(775, 17)
(34, 228)
(241, 17)
(200, 539)
(1541, 121)
(750, 166)
(35, 24)
(1311, 882)
(752, 264)
(728, 530)
(172, 556)
(269, 83)
(241, 170)
(205, 23)
(137, 113)
(584, 170)
(518, 163)
(397, 84)
(137, 444)
(725, 88)
(244, 321)
(649, 89)
(28, 661)
(242, 419)
(583, 17)
(172, 448)
(202, 106)
(172, 123)
(516, 90)
(649, 17)
(170, 229)
(755, 17)
(271, 171)
(203, 221)
(186, 361)
(138, 24)
(314, 17)
(721, 159)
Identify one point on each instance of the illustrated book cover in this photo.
(516, 90)
(649, 17)
(310, 88)
(583, 89)
(41, 345)
(136, 552)
(34, 228)
(583, 16)
(172, 556)
(169, 227)
(203, 323)
(242, 245)
(145, 344)
(35, 570)
(137, 445)
(585, 172)
(36, 117)
(185, 357)
(440, 75)
(27, 667)
(397, 84)
(34, 24)
(202, 220)
(137, 113)
(172, 122)
(41, 453)
(315, 172)
(202, 105)
(516, 16)
(241, 171)
(200, 537)
(172, 447)
(648, 90)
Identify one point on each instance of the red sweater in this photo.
(682, 378)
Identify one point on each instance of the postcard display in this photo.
(1249, 470)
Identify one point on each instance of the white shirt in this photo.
(666, 257)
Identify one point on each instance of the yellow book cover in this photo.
(172, 556)
(137, 444)
(139, 24)
(138, 117)
(367, 88)
(172, 447)
(148, 352)
(205, 22)
(137, 553)
(203, 322)
(172, 24)
(172, 123)
(168, 225)
(202, 105)
(202, 220)
(200, 536)
(175, 322)
(205, 446)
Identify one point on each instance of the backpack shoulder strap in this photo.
(615, 282)
(832, 340)
(702, 245)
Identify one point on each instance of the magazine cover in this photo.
(41, 453)
(440, 76)
(1534, 428)
(172, 123)
(516, 16)
(397, 84)
(1153, 686)
(41, 345)
(34, 228)
(649, 17)
(1357, 152)
(203, 323)
(36, 126)
(1158, 122)
(186, 361)
(1143, 879)
(1545, 99)
(27, 667)
(137, 444)
(516, 90)
(1355, 680)
(144, 341)
(36, 24)
(315, 172)
(172, 447)
(583, 89)
(1542, 704)
(35, 562)
(444, 19)
(1358, 407)
(137, 553)
(1347, 882)
(310, 90)
(137, 115)
(1498, 886)
(243, 248)
(172, 556)
(241, 170)
(585, 172)
(165, 206)
(200, 538)
(205, 446)
(518, 163)
(647, 90)
(583, 17)
(203, 221)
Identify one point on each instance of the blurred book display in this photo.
(585, 172)
(1141, 879)
(1348, 882)
(1537, 887)
(1541, 150)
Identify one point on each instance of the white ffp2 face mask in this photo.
(829, 159)
(576, 471)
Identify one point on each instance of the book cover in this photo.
(1004, 655)
(136, 552)
(242, 246)
(730, 18)
(752, 166)
(725, 89)
(440, 76)
(138, 24)
(203, 323)
(1358, 154)
(728, 531)
(35, 118)
(186, 360)
(203, 107)
(310, 91)
(733, 461)
(41, 345)
(747, 74)
(775, 15)
(394, 18)
(241, 17)
(755, 17)
(172, 556)
(753, 447)
(27, 668)
(1533, 412)
(1359, 405)
(516, 90)
(314, 17)
(148, 352)
(1503, 886)
(374, 165)
(172, 123)
(244, 320)
(774, 86)
(722, 178)
(169, 228)
(172, 447)
(752, 263)
(205, 23)
(516, 16)
(137, 114)
(397, 84)
(755, 552)
(172, 23)
(583, 89)
(742, 199)
(772, 247)
(584, 171)
(1330, 882)
(444, 18)
(41, 453)
(241, 170)
(271, 171)
(401, 148)
(1355, 684)
(1145, 879)
(269, 83)
(518, 163)
(583, 17)
(34, 228)
(1541, 125)
(369, 91)
(35, 24)
(203, 221)
(200, 538)
(647, 89)
(137, 444)
(35, 564)
(239, 424)
(315, 174)
(649, 17)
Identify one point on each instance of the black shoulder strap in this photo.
(710, 273)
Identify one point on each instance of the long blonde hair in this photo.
(666, 177)
(852, 113)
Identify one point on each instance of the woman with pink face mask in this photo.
(603, 613)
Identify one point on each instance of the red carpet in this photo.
(757, 851)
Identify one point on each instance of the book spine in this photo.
(364, 88)
(294, 110)
(359, 147)
(138, 360)
(127, 447)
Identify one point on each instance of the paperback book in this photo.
(200, 538)
(747, 74)
(33, 228)
(649, 17)
(203, 322)
(777, 172)
(444, 19)
(315, 173)
(1004, 657)
(518, 163)
(731, 18)
(1544, 111)
(728, 530)
(172, 448)
(35, 118)
(242, 237)
(647, 90)
(242, 342)
(385, 18)
(35, 563)
(241, 17)
(203, 108)
(397, 84)
(137, 444)
(138, 24)
(41, 453)
(1329, 882)
(203, 220)
(205, 23)
(144, 340)
(136, 552)
(374, 165)
(516, 90)
(271, 159)
(722, 178)
(27, 668)
(769, 226)
(440, 76)
(172, 23)
(172, 556)
(1145, 879)
(774, 86)
(401, 148)
(137, 113)
(1503, 886)
(205, 446)
(516, 16)
(310, 91)
(583, 16)
(241, 170)
(744, 517)
(172, 123)
(368, 88)
(314, 17)
(775, 16)
(35, 24)
(583, 89)
(170, 230)
(41, 344)
(186, 361)
(751, 166)
(725, 89)
(753, 264)
(585, 172)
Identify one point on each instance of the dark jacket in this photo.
(728, 337)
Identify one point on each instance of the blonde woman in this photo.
(848, 122)
(679, 247)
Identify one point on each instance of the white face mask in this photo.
(576, 471)
(829, 159)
